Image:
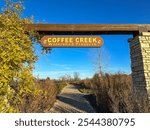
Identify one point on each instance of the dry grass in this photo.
(114, 93)
(60, 85)
(46, 92)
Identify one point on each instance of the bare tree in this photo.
(100, 59)
(66, 78)
(76, 76)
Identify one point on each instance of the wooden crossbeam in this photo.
(133, 29)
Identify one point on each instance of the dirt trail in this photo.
(71, 100)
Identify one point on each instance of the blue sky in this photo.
(70, 60)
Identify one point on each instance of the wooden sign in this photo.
(71, 41)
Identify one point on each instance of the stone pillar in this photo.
(140, 64)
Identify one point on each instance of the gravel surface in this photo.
(70, 100)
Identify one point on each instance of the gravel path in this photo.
(71, 100)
